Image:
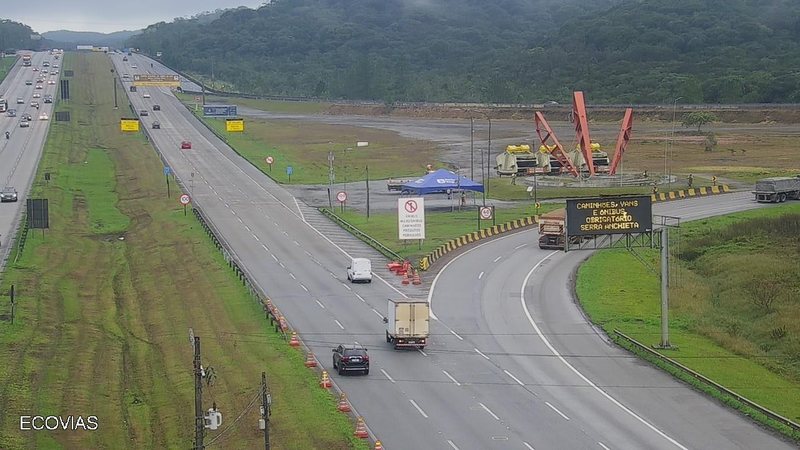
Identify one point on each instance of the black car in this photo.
(156, 125)
(350, 357)
(144, 113)
(156, 107)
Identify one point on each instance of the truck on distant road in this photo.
(777, 189)
(551, 229)
(407, 323)
(396, 184)
(26, 60)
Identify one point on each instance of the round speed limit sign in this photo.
(185, 199)
(486, 212)
(270, 160)
(341, 196)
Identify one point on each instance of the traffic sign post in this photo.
(485, 213)
(185, 199)
(341, 197)
(269, 161)
(289, 172)
(167, 171)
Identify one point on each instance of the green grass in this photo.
(502, 189)
(6, 64)
(440, 226)
(101, 327)
(719, 330)
(267, 105)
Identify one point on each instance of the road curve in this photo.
(514, 302)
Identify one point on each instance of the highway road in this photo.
(490, 377)
(19, 155)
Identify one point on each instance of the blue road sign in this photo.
(166, 170)
(289, 170)
(219, 110)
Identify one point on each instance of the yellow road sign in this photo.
(129, 124)
(234, 124)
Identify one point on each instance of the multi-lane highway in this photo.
(512, 363)
(19, 154)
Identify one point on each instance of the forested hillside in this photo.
(619, 51)
(16, 36)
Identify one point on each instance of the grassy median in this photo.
(734, 297)
(107, 295)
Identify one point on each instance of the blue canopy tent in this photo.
(441, 181)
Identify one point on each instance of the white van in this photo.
(360, 269)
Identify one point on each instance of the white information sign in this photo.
(411, 217)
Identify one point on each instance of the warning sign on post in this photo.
(609, 215)
(411, 217)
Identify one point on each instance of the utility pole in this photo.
(665, 287)
(13, 304)
(367, 169)
(471, 148)
(265, 409)
(488, 160)
(331, 177)
(199, 422)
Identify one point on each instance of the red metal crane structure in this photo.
(582, 138)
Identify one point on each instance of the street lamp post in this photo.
(668, 169)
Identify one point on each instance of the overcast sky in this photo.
(106, 16)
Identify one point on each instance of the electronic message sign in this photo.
(140, 79)
(219, 110)
(609, 215)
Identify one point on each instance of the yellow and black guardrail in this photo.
(475, 236)
(689, 193)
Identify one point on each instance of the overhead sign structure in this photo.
(142, 79)
(411, 217)
(609, 215)
(129, 124)
(234, 125)
(219, 110)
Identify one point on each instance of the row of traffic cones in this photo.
(415, 279)
(344, 406)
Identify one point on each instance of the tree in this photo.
(698, 118)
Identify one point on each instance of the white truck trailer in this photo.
(407, 323)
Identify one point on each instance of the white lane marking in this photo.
(337, 323)
(304, 287)
(480, 353)
(256, 238)
(302, 217)
(456, 335)
(265, 247)
(418, 408)
(285, 233)
(603, 445)
(520, 246)
(308, 253)
(332, 274)
(515, 378)
(556, 410)
(297, 243)
(528, 445)
(377, 313)
(361, 298)
(451, 377)
(387, 375)
(346, 287)
(292, 275)
(240, 220)
(320, 304)
(480, 275)
(489, 411)
(452, 444)
(274, 257)
(248, 228)
(276, 223)
(282, 265)
(423, 353)
(497, 259)
(566, 363)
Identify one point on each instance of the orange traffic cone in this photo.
(378, 445)
(294, 342)
(417, 280)
(283, 323)
(361, 429)
(310, 360)
(405, 278)
(343, 405)
(325, 382)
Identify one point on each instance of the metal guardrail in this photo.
(386, 251)
(722, 389)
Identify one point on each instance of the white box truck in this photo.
(407, 323)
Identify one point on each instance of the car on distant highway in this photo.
(48, 99)
(37, 95)
(11, 113)
(143, 112)
(35, 69)
(156, 107)
(145, 95)
(27, 117)
(39, 86)
(24, 124)
(8, 194)
(44, 116)
(156, 125)
(20, 101)
(133, 66)
(35, 104)
(186, 145)
(28, 82)
(48, 82)
(350, 358)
